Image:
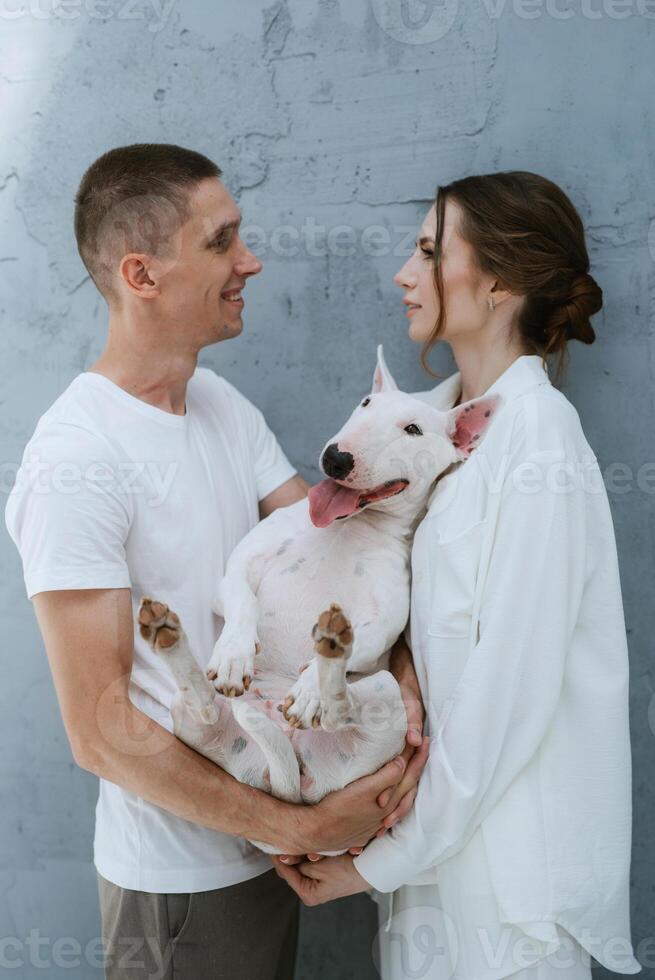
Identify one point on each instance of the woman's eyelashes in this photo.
(425, 250)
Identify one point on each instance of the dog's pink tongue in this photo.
(329, 500)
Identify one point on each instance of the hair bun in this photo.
(570, 318)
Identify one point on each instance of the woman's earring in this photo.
(491, 304)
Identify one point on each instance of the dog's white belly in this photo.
(291, 596)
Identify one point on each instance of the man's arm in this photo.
(89, 639)
(289, 493)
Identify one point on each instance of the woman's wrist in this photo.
(401, 664)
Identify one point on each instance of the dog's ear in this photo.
(382, 379)
(468, 422)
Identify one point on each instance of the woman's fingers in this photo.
(406, 756)
(414, 734)
(393, 795)
(415, 714)
(401, 810)
(290, 859)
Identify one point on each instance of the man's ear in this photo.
(382, 378)
(468, 422)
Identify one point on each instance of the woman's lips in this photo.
(412, 308)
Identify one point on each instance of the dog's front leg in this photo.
(232, 663)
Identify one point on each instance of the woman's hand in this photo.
(323, 881)
(401, 665)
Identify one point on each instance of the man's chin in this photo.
(230, 328)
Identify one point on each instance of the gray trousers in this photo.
(247, 931)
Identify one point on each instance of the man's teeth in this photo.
(232, 296)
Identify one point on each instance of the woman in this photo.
(515, 858)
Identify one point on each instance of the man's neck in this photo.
(155, 376)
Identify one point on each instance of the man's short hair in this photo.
(133, 199)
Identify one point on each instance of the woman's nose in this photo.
(404, 277)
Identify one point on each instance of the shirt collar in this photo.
(526, 372)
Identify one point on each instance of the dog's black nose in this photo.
(337, 464)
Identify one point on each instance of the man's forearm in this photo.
(144, 758)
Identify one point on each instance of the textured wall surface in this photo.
(333, 122)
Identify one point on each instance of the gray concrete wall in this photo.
(322, 114)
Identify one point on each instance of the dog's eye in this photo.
(365, 402)
(413, 430)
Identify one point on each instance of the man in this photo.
(140, 479)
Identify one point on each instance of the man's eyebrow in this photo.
(226, 226)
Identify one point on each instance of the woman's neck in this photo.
(480, 368)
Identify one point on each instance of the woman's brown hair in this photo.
(526, 233)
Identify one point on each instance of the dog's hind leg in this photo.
(333, 640)
(320, 696)
(161, 627)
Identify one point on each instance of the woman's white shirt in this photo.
(519, 643)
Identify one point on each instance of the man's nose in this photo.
(247, 263)
(337, 464)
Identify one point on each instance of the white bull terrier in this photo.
(306, 728)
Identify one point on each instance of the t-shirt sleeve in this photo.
(271, 466)
(68, 514)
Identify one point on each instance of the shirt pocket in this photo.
(454, 563)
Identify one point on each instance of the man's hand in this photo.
(348, 818)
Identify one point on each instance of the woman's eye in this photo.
(427, 253)
(365, 402)
(413, 430)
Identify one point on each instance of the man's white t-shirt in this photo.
(115, 493)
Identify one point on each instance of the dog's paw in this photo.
(302, 707)
(333, 634)
(158, 624)
(231, 670)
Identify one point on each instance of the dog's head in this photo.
(394, 446)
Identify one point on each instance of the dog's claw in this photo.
(258, 648)
(247, 681)
(211, 675)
